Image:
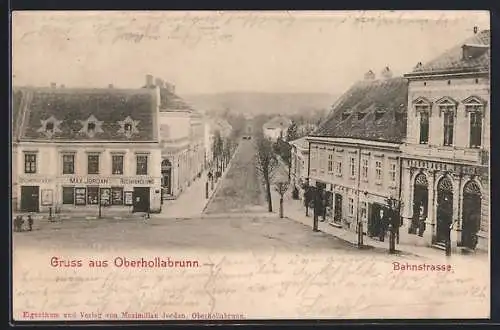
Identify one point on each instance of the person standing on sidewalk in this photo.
(30, 222)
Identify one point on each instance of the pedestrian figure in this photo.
(383, 225)
(421, 221)
(30, 222)
(18, 223)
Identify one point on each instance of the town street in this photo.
(251, 263)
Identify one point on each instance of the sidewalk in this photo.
(295, 210)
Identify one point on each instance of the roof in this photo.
(278, 121)
(454, 61)
(300, 143)
(171, 102)
(370, 110)
(70, 109)
(17, 96)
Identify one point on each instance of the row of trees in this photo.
(223, 149)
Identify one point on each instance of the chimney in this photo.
(370, 75)
(110, 86)
(53, 85)
(149, 81)
(159, 82)
(386, 73)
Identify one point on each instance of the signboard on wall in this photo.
(128, 197)
(102, 180)
(47, 197)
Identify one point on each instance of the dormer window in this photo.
(91, 127)
(128, 127)
(379, 114)
(345, 115)
(50, 127)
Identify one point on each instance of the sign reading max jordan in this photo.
(108, 180)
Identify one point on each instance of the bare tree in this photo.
(281, 187)
(266, 164)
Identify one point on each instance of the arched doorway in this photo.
(471, 214)
(166, 177)
(420, 202)
(444, 214)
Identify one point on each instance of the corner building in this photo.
(76, 147)
(446, 153)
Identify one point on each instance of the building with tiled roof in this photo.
(354, 153)
(445, 164)
(299, 163)
(76, 148)
(182, 139)
(276, 127)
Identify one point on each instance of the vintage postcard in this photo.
(250, 165)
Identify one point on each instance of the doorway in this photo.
(337, 218)
(374, 221)
(30, 199)
(166, 177)
(444, 212)
(420, 199)
(471, 218)
(140, 199)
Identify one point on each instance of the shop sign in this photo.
(88, 180)
(136, 181)
(25, 180)
(47, 195)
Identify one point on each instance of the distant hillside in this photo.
(255, 103)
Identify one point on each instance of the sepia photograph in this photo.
(250, 165)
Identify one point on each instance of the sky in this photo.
(212, 52)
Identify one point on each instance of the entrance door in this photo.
(141, 199)
(338, 209)
(30, 198)
(471, 214)
(374, 220)
(420, 198)
(444, 214)
(166, 173)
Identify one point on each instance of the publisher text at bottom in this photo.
(47, 316)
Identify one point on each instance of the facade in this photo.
(276, 128)
(446, 153)
(80, 149)
(355, 156)
(182, 139)
(299, 163)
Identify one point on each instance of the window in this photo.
(476, 128)
(351, 206)
(49, 127)
(392, 172)
(448, 128)
(364, 208)
(330, 163)
(322, 161)
(93, 164)
(80, 196)
(91, 127)
(68, 164)
(127, 128)
(378, 170)
(92, 195)
(117, 164)
(142, 165)
(365, 169)
(352, 166)
(117, 195)
(339, 168)
(29, 163)
(424, 127)
(68, 195)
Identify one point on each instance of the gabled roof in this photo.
(383, 106)
(453, 59)
(71, 108)
(277, 122)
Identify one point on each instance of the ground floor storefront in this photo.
(80, 193)
(446, 202)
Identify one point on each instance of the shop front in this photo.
(135, 194)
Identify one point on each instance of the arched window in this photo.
(445, 185)
(472, 188)
(421, 180)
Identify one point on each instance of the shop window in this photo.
(30, 163)
(80, 196)
(68, 195)
(142, 165)
(93, 164)
(68, 164)
(92, 195)
(116, 195)
(117, 164)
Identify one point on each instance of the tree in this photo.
(266, 164)
(218, 150)
(292, 133)
(281, 187)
